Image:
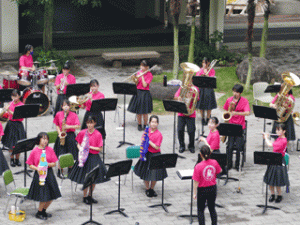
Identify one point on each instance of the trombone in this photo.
(135, 78)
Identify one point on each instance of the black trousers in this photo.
(238, 142)
(191, 128)
(208, 194)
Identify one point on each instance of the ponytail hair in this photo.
(205, 152)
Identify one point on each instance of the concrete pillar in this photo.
(9, 30)
(216, 16)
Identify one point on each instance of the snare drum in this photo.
(10, 82)
(51, 78)
(42, 76)
(24, 77)
(31, 96)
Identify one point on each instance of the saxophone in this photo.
(189, 94)
(63, 133)
(227, 116)
(283, 111)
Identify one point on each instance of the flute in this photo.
(268, 133)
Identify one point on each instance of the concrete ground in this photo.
(239, 208)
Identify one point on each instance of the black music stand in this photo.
(176, 107)
(26, 111)
(24, 145)
(205, 82)
(267, 158)
(89, 180)
(118, 169)
(273, 88)
(163, 161)
(125, 89)
(106, 104)
(226, 129)
(266, 113)
(77, 89)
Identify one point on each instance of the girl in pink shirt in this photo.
(46, 193)
(26, 60)
(213, 138)
(277, 176)
(141, 169)
(207, 100)
(205, 188)
(95, 94)
(71, 124)
(141, 103)
(92, 139)
(14, 130)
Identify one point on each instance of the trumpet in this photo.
(135, 78)
(296, 117)
(76, 101)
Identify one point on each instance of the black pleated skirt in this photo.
(48, 192)
(69, 147)
(277, 175)
(98, 116)
(78, 173)
(13, 132)
(59, 101)
(290, 129)
(3, 163)
(207, 99)
(141, 103)
(142, 170)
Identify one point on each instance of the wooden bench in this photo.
(117, 57)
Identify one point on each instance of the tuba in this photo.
(187, 91)
(283, 111)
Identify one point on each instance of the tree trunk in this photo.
(176, 50)
(204, 20)
(192, 41)
(265, 33)
(48, 25)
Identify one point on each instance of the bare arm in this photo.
(99, 149)
(196, 183)
(154, 145)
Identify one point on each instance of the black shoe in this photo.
(40, 216)
(12, 162)
(192, 149)
(153, 193)
(181, 149)
(148, 193)
(94, 201)
(272, 198)
(86, 200)
(17, 162)
(140, 127)
(278, 199)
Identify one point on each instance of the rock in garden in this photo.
(158, 91)
(157, 70)
(262, 71)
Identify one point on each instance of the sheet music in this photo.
(185, 174)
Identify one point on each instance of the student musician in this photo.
(239, 108)
(141, 169)
(47, 190)
(26, 60)
(213, 138)
(141, 103)
(277, 176)
(90, 143)
(189, 121)
(66, 123)
(14, 130)
(95, 94)
(3, 162)
(205, 189)
(61, 82)
(289, 123)
(207, 99)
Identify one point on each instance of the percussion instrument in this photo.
(51, 68)
(51, 78)
(10, 82)
(31, 96)
(42, 76)
(7, 73)
(24, 77)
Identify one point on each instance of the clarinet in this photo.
(43, 168)
(144, 144)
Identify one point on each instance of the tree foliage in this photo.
(192, 11)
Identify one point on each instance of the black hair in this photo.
(91, 119)
(94, 81)
(291, 92)
(206, 60)
(215, 120)
(281, 126)
(16, 92)
(27, 48)
(66, 101)
(154, 117)
(67, 65)
(205, 152)
(40, 136)
(144, 63)
(238, 88)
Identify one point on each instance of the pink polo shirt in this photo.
(97, 96)
(95, 139)
(72, 119)
(242, 106)
(206, 172)
(12, 108)
(279, 145)
(193, 115)
(35, 155)
(70, 79)
(148, 78)
(213, 139)
(211, 73)
(276, 96)
(26, 61)
(156, 137)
